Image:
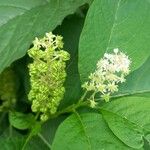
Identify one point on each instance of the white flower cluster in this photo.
(111, 70)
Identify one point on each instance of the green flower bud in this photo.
(47, 74)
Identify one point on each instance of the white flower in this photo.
(112, 87)
(111, 70)
(50, 36)
(36, 43)
(116, 50)
(92, 103)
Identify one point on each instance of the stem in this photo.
(10, 131)
(70, 108)
(30, 134)
(44, 140)
(37, 115)
(84, 95)
(27, 140)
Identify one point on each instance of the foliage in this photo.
(56, 91)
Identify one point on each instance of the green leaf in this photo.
(71, 26)
(138, 82)
(11, 144)
(124, 129)
(20, 120)
(29, 19)
(11, 141)
(122, 24)
(128, 118)
(88, 131)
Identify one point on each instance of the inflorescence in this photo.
(111, 70)
(8, 89)
(47, 74)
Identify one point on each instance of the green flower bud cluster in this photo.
(47, 74)
(8, 89)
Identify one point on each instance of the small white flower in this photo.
(112, 87)
(116, 50)
(50, 36)
(92, 103)
(101, 88)
(36, 43)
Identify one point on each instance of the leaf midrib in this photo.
(25, 11)
(113, 25)
(130, 94)
(144, 129)
(84, 130)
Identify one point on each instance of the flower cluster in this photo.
(8, 89)
(47, 74)
(111, 70)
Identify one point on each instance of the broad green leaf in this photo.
(138, 82)
(124, 129)
(88, 131)
(20, 120)
(129, 119)
(122, 24)
(29, 19)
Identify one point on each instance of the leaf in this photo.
(11, 144)
(11, 140)
(70, 30)
(124, 129)
(122, 24)
(88, 131)
(128, 118)
(29, 19)
(36, 144)
(20, 120)
(138, 82)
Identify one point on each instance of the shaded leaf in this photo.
(20, 120)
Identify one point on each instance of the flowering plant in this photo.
(74, 75)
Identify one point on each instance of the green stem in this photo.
(37, 115)
(30, 134)
(44, 140)
(70, 108)
(10, 131)
(27, 140)
(83, 97)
